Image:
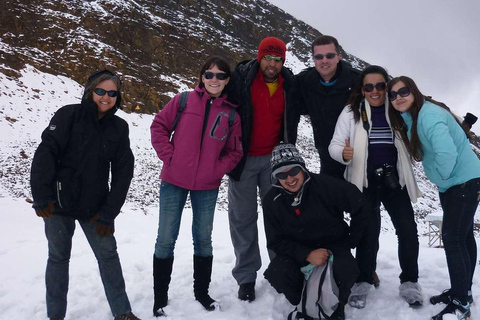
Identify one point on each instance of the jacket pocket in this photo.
(67, 193)
(220, 127)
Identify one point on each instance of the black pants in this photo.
(398, 205)
(330, 167)
(285, 276)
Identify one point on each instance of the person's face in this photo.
(402, 104)
(214, 86)
(377, 82)
(104, 102)
(293, 184)
(270, 68)
(326, 67)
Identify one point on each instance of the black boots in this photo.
(202, 274)
(162, 270)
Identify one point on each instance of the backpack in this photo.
(183, 103)
(319, 295)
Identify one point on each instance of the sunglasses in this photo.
(380, 86)
(269, 57)
(329, 56)
(292, 173)
(101, 92)
(403, 92)
(220, 75)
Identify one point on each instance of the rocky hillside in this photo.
(158, 46)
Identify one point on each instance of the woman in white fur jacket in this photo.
(379, 165)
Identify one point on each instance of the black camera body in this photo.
(387, 176)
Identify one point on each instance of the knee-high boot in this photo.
(202, 274)
(162, 271)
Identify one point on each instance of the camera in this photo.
(387, 176)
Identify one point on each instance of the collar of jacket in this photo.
(203, 94)
(249, 69)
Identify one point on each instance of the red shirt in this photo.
(268, 112)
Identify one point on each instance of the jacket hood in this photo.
(92, 108)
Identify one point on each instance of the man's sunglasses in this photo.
(101, 92)
(219, 75)
(292, 173)
(380, 86)
(403, 92)
(269, 57)
(329, 56)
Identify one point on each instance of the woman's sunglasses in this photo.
(380, 86)
(403, 92)
(101, 92)
(220, 75)
(292, 173)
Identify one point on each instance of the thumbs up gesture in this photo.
(347, 151)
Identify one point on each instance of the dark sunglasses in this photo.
(101, 92)
(269, 57)
(380, 86)
(292, 173)
(403, 92)
(219, 75)
(329, 56)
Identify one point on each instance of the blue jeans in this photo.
(459, 204)
(59, 231)
(172, 201)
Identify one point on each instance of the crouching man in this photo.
(304, 221)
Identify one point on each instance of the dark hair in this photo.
(413, 144)
(324, 40)
(221, 64)
(96, 78)
(356, 96)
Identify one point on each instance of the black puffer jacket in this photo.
(239, 92)
(77, 140)
(318, 222)
(324, 104)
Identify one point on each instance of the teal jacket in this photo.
(448, 159)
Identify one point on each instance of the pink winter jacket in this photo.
(191, 161)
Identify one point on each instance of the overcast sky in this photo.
(435, 42)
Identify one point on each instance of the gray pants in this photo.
(243, 216)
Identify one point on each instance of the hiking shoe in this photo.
(461, 311)
(358, 295)
(246, 291)
(446, 298)
(411, 292)
(128, 316)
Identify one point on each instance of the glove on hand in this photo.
(102, 229)
(43, 209)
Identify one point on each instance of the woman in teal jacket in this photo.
(436, 138)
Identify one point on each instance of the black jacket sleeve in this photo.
(54, 140)
(122, 166)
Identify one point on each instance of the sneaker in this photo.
(128, 316)
(446, 298)
(412, 293)
(462, 312)
(358, 295)
(246, 291)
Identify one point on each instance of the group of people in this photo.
(243, 122)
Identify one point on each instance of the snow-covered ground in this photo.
(27, 104)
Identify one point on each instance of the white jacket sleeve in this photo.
(342, 132)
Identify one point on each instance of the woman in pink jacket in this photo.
(204, 145)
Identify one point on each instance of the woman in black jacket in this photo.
(83, 144)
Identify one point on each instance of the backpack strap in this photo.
(183, 104)
(231, 119)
